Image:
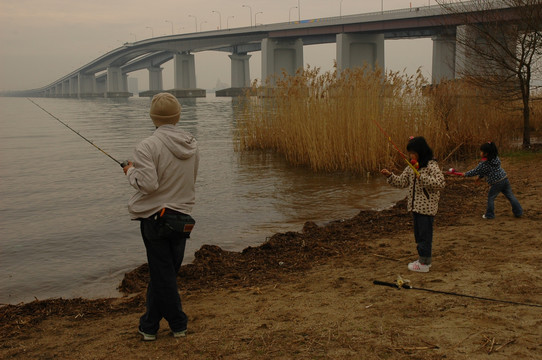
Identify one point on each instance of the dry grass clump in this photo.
(329, 121)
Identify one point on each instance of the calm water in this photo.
(64, 227)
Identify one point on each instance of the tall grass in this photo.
(330, 122)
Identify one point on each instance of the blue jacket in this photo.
(491, 170)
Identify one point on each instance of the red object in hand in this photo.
(415, 163)
(452, 171)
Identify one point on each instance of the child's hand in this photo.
(385, 172)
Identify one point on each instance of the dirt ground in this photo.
(310, 294)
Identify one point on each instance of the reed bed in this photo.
(330, 122)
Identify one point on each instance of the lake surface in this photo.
(64, 227)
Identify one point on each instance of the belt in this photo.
(168, 211)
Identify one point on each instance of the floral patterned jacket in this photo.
(423, 192)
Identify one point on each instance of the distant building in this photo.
(133, 86)
(220, 85)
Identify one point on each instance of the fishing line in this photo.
(396, 148)
(122, 164)
(402, 285)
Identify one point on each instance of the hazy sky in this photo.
(43, 40)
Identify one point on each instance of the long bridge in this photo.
(359, 41)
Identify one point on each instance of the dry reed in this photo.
(329, 121)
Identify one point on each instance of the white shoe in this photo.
(418, 267)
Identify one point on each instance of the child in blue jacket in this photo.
(490, 169)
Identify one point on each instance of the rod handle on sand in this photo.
(393, 285)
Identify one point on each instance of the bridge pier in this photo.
(117, 83)
(240, 76)
(155, 82)
(443, 63)
(73, 81)
(280, 55)
(65, 89)
(86, 85)
(184, 81)
(356, 50)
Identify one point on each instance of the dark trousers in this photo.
(504, 187)
(423, 233)
(165, 252)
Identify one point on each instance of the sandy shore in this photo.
(310, 294)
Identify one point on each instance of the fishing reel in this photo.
(124, 163)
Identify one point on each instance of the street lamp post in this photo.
(290, 13)
(382, 6)
(195, 21)
(259, 12)
(298, 11)
(219, 19)
(172, 32)
(135, 39)
(228, 21)
(152, 31)
(249, 8)
(341, 8)
(201, 23)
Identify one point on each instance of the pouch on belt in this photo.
(178, 222)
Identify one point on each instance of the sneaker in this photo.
(179, 334)
(485, 217)
(418, 267)
(146, 337)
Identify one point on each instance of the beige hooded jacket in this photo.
(164, 172)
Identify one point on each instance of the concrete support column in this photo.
(65, 88)
(356, 50)
(115, 81)
(443, 58)
(58, 90)
(155, 78)
(184, 68)
(473, 42)
(184, 71)
(240, 74)
(73, 86)
(280, 55)
(86, 85)
(156, 84)
(101, 85)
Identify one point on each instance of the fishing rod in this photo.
(396, 148)
(405, 284)
(122, 164)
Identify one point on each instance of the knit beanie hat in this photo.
(165, 109)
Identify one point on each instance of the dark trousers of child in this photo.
(165, 253)
(423, 233)
(504, 187)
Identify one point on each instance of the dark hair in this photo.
(490, 149)
(419, 146)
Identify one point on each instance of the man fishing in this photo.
(163, 172)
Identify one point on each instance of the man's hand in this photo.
(127, 167)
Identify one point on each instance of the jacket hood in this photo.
(181, 143)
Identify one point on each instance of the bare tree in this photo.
(499, 48)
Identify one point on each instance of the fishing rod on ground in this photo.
(396, 148)
(405, 284)
(122, 164)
